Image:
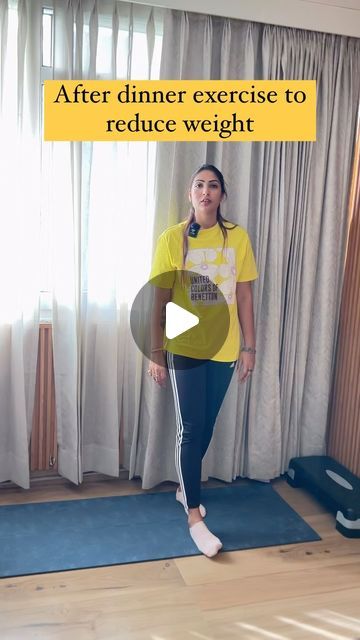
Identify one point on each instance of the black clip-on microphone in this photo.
(194, 229)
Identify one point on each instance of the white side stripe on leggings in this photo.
(180, 426)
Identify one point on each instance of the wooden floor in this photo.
(302, 591)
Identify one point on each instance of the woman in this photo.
(208, 249)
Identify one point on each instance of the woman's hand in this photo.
(245, 365)
(157, 368)
(246, 361)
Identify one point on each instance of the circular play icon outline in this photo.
(194, 322)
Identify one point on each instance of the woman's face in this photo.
(205, 194)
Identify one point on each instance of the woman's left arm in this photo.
(244, 298)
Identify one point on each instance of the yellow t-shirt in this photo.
(224, 266)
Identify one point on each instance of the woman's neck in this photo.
(206, 221)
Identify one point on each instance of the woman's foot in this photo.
(205, 541)
(180, 498)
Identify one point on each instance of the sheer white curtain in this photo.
(20, 211)
(76, 221)
(102, 217)
(292, 198)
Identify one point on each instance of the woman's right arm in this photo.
(157, 366)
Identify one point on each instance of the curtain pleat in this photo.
(3, 42)
(93, 40)
(150, 37)
(114, 40)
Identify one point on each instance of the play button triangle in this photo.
(178, 320)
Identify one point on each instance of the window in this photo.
(135, 161)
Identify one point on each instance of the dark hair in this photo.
(220, 219)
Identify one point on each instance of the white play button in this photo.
(178, 320)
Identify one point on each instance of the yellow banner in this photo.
(180, 110)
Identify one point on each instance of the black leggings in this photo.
(198, 395)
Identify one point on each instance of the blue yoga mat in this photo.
(78, 534)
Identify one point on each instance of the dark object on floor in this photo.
(334, 485)
(97, 532)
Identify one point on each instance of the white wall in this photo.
(332, 16)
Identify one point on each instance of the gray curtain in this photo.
(292, 198)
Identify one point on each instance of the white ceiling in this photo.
(347, 4)
(331, 16)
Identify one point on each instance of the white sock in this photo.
(180, 498)
(205, 541)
